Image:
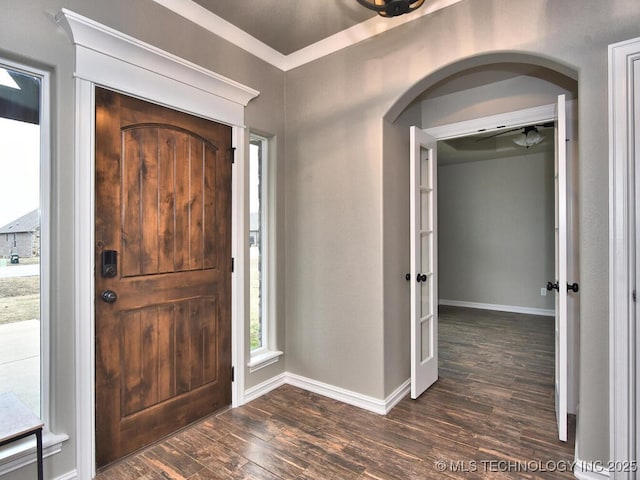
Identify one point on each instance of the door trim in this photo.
(492, 123)
(114, 60)
(622, 227)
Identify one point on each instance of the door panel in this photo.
(163, 202)
(634, 267)
(424, 280)
(561, 253)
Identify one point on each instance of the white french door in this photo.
(635, 261)
(561, 259)
(424, 255)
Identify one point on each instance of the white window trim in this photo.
(267, 354)
(106, 57)
(19, 454)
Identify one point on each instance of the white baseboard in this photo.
(21, 453)
(500, 308)
(590, 471)
(402, 391)
(381, 407)
(264, 387)
(72, 475)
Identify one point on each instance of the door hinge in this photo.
(233, 264)
(233, 154)
(233, 374)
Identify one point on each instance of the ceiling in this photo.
(291, 33)
(489, 146)
(290, 25)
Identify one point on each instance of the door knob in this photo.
(109, 296)
(420, 278)
(573, 287)
(553, 286)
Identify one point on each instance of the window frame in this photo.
(267, 353)
(18, 454)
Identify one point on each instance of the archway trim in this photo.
(413, 92)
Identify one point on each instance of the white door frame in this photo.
(518, 118)
(624, 59)
(111, 59)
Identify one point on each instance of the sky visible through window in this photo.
(19, 169)
(255, 249)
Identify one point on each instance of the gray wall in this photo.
(496, 231)
(503, 96)
(342, 211)
(29, 34)
(333, 231)
(395, 179)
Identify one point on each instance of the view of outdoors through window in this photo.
(20, 236)
(256, 244)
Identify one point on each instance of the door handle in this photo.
(573, 287)
(420, 278)
(553, 286)
(109, 296)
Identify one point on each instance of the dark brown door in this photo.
(163, 203)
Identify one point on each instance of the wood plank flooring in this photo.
(490, 415)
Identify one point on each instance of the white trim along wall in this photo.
(111, 59)
(543, 312)
(362, 31)
(624, 77)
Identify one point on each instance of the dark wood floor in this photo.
(490, 415)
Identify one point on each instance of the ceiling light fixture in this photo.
(528, 138)
(391, 8)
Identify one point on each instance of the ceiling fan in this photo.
(528, 137)
(391, 8)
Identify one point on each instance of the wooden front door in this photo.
(163, 316)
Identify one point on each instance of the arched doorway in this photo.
(474, 89)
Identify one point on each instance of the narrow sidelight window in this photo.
(257, 242)
(23, 156)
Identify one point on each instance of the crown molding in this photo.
(358, 33)
(220, 27)
(101, 44)
(346, 38)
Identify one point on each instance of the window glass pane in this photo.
(426, 336)
(20, 236)
(256, 244)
